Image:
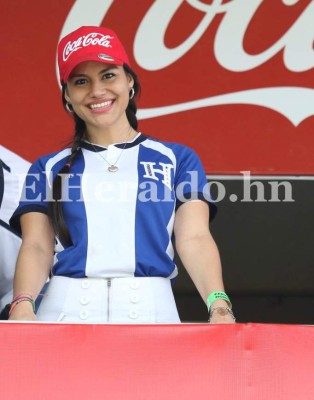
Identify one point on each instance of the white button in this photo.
(134, 284)
(85, 300)
(83, 314)
(85, 284)
(134, 298)
(133, 314)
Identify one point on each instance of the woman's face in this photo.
(99, 95)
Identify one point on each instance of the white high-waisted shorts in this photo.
(130, 300)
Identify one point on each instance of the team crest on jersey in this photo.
(158, 171)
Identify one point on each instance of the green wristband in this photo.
(217, 296)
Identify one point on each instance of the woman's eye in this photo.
(108, 75)
(80, 81)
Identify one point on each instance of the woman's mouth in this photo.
(98, 106)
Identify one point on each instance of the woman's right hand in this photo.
(23, 311)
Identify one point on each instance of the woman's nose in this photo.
(98, 88)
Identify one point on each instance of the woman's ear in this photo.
(131, 81)
(66, 96)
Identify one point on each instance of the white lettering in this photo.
(151, 171)
(149, 49)
(188, 190)
(295, 103)
(151, 194)
(66, 180)
(91, 39)
(297, 42)
(150, 52)
(29, 189)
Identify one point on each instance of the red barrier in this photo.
(148, 362)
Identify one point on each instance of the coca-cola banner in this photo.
(232, 79)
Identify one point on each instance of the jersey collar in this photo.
(139, 138)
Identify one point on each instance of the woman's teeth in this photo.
(100, 105)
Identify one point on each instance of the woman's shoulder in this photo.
(53, 157)
(176, 147)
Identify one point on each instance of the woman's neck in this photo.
(110, 136)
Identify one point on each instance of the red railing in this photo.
(148, 362)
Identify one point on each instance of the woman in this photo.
(114, 201)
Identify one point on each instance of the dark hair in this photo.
(55, 210)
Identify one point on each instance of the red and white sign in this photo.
(232, 79)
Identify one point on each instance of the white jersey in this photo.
(120, 223)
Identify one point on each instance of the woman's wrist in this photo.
(218, 297)
(22, 301)
(219, 306)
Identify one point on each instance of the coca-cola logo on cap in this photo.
(92, 39)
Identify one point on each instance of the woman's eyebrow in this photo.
(99, 73)
(108, 69)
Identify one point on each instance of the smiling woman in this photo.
(114, 258)
(100, 96)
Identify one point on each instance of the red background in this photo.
(229, 138)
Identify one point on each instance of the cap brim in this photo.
(100, 57)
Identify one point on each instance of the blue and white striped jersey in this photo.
(120, 223)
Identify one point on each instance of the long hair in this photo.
(55, 210)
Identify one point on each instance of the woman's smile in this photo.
(103, 106)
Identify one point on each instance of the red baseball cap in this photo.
(89, 43)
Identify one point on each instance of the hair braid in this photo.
(55, 209)
(132, 107)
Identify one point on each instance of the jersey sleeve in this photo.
(191, 182)
(34, 196)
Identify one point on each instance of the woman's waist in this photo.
(100, 282)
(117, 298)
(103, 288)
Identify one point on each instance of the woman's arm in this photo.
(199, 253)
(34, 261)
